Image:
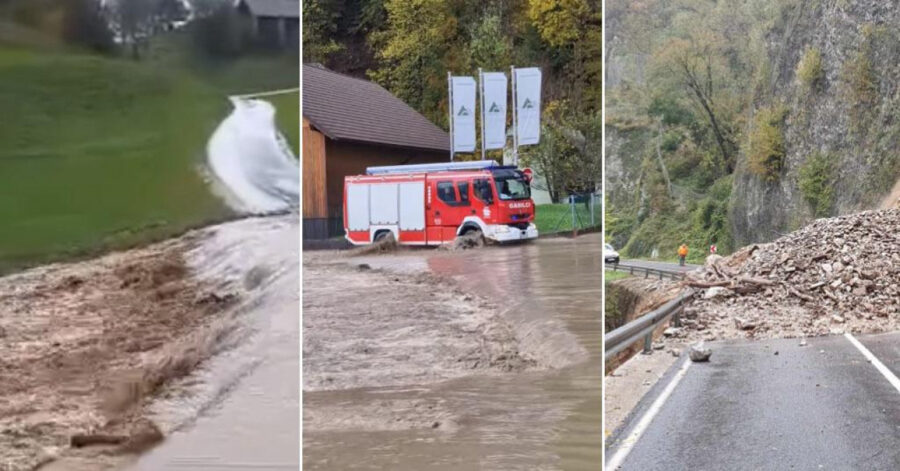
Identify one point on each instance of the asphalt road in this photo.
(820, 406)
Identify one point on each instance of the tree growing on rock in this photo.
(696, 66)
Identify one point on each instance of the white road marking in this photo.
(891, 377)
(631, 440)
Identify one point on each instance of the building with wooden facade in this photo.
(350, 124)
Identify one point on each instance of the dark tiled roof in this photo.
(274, 8)
(347, 108)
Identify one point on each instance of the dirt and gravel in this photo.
(376, 327)
(632, 298)
(835, 275)
(84, 346)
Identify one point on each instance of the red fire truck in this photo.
(432, 204)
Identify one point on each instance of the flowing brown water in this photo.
(541, 419)
(240, 409)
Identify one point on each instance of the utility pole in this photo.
(515, 106)
(450, 109)
(481, 102)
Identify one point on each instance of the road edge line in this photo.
(884, 370)
(631, 439)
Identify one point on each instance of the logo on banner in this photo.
(528, 104)
(494, 108)
(463, 111)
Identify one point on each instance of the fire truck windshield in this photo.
(512, 187)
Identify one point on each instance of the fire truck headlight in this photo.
(501, 229)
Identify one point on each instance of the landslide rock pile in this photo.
(835, 275)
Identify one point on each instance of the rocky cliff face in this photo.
(625, 148)
(851, 115)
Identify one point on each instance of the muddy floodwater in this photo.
(239, 410)
(547, 417)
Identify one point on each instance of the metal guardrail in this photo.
(647, 271)
(643, 327)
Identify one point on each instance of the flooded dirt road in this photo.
(184, 349)
(546, 417)
(239, 410)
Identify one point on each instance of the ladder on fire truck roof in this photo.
(437, 167)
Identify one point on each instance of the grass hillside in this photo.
(287, 117)
(239, 76)
(246, 74)
(98, 153)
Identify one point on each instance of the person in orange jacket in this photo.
(682, 254)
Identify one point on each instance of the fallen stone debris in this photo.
(700, 352)
(835, 275)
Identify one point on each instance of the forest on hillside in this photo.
(731, 122)
(409, 46)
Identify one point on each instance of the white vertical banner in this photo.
(494, 106)
(528, 105)
(462, 107)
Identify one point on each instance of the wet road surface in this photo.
(537, 420)
(820, 406)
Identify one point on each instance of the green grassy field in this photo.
(251, 73)
(287, 117)
(610, 275)
(551, 218)
(104, 153)
(98, 153)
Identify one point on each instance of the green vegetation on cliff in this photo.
(810, 71)
(730, 122)
(765, 143)
(816, 182)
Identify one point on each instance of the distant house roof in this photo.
(347, 108)
(273, 8)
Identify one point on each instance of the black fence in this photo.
(322, 228)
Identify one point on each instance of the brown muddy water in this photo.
(240, 410)
(542, 419)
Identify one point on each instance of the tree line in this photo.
(126, 26)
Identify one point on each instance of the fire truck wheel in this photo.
(472, 237)
(382, 235)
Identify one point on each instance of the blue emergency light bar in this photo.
(436, 167)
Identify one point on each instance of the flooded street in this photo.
(546, 417)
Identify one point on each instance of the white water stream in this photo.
(249, 157)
